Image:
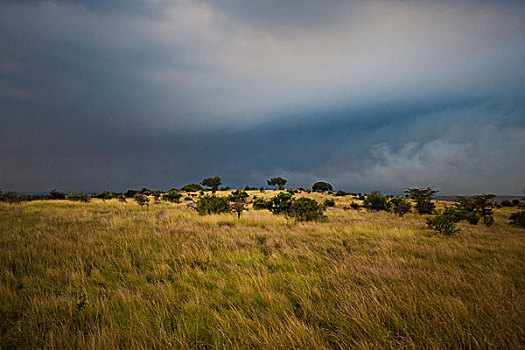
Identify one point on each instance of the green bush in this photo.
(305, 209)
(506, 203)
(172, 196)
(377, 201)
(329, 203)
(78, 197)
(401, 205)
(142, 200)
(341, 193)
(281, 203)
(260, 203)
(445, 221)
(192, 188)
(354, 205)
(238, 195)
(212, 205)
(518, 219)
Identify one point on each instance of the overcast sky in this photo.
(363, 94)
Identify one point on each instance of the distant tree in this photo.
(261, 189)
(103, 195)
(10, 197)
(341, 193)
(322, 187)
(278, 182)
(423, 198)
(192, 187)
(377, 201)
(212, 205)
(212, 182)
(142, 200)
(54, 194)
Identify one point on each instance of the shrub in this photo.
(54, 194)
(329, 203)
(321, 187)
(445, 221)
(130, 193)
(516, 203)
(401, 205)
(423, 198)
(212, 204)
(172, 196)
(305, 209)
(341, 193)
(377, 201)
(354, 205)
(238, 195)
(506, 203)
(103, 195)
(260, 203)
(78, 197)
(142, 200)
(518, 219)
(281, 203)
(187, 198)
(10, 197)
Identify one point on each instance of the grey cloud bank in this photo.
(365, 94)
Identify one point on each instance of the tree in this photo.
(322, 187)
(278, 182)
(260, 203)
(476, 207)
(192, 187)
(423, 198)
(377, 201)
(212, 182)
(238, 207)
(78, 197)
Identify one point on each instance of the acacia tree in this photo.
(212, 182)
(423, 198)
(321, 186)
(278, 182)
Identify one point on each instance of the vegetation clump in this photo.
(445, 221)
(377, 201)
(401, 206)
(78, 197)
(193, 187)
(477, 207)
(518, 219)
(329, 203)
(212, 182)
(278, 182)
(212, 204)
(305, 209)
(142, 200)
(172, 196)
(322, 187)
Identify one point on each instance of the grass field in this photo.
(113, 275)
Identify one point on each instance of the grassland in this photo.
(113, 275)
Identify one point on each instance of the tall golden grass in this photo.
(113, 275)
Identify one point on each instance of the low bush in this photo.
(142, 200)
(305, 209)
(172, 196)
(212, 205)
(445, 221)
(377, 201)
(329, 203)
(78, 197)
(518, 219)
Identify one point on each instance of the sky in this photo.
(367, 95)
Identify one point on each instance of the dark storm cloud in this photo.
(382, 94)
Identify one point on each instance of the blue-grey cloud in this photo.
(100, 94)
